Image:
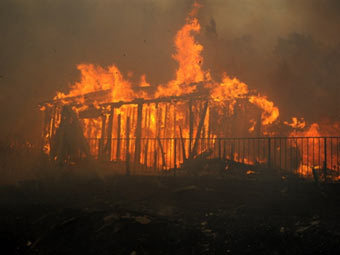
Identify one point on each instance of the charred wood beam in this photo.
(162, 152)
(109, 135)
(118, 137)
(183, 143)
(165, 120)
(174, 134)
(158, 100)
(191, 125)
(175, 153)
(199, 130)
(87, 98)
(53, 123)
(138, 132)
(46, 126)
(127, 146)
(95, 95)
(146, 148)
(148, 122)
(102, 138)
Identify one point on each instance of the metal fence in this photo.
(301, 155)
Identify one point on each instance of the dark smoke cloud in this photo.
(288, 50)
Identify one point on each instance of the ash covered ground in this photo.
(80, 210)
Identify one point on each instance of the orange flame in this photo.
(96, 78)
(296, 123)
(270, 112)
(143, 83)
(188, 78)
(188, 56)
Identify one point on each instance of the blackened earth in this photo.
(258, 213)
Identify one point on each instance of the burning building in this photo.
(107, 117)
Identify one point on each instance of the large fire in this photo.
(200, 107)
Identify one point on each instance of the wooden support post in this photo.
(127, 146)
(162, 152)
(118, 137)
(165, 133)
(149, 122)
(52, 129)
(146, 149)
(191, 125)
(183, 143)
(199, 129)
(174, 134)
(109, 135)
(46, 128)
(101, 141)
(138, 133)
(158, 112)
(175, 155)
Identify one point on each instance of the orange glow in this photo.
(270, 112)
(189, 59)
(143, 83)
(228, 90)
(110, 94)
(161, 119)
(96, 78)
(313, 130)
(296, 123)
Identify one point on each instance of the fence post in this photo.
(269, 152)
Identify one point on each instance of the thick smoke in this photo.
(287, 50)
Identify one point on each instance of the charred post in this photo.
(199, 130)
(138, 132)
(127, 146)
(102, 139)
(109, 135)
(118, 137)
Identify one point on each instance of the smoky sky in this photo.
(287, 50)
